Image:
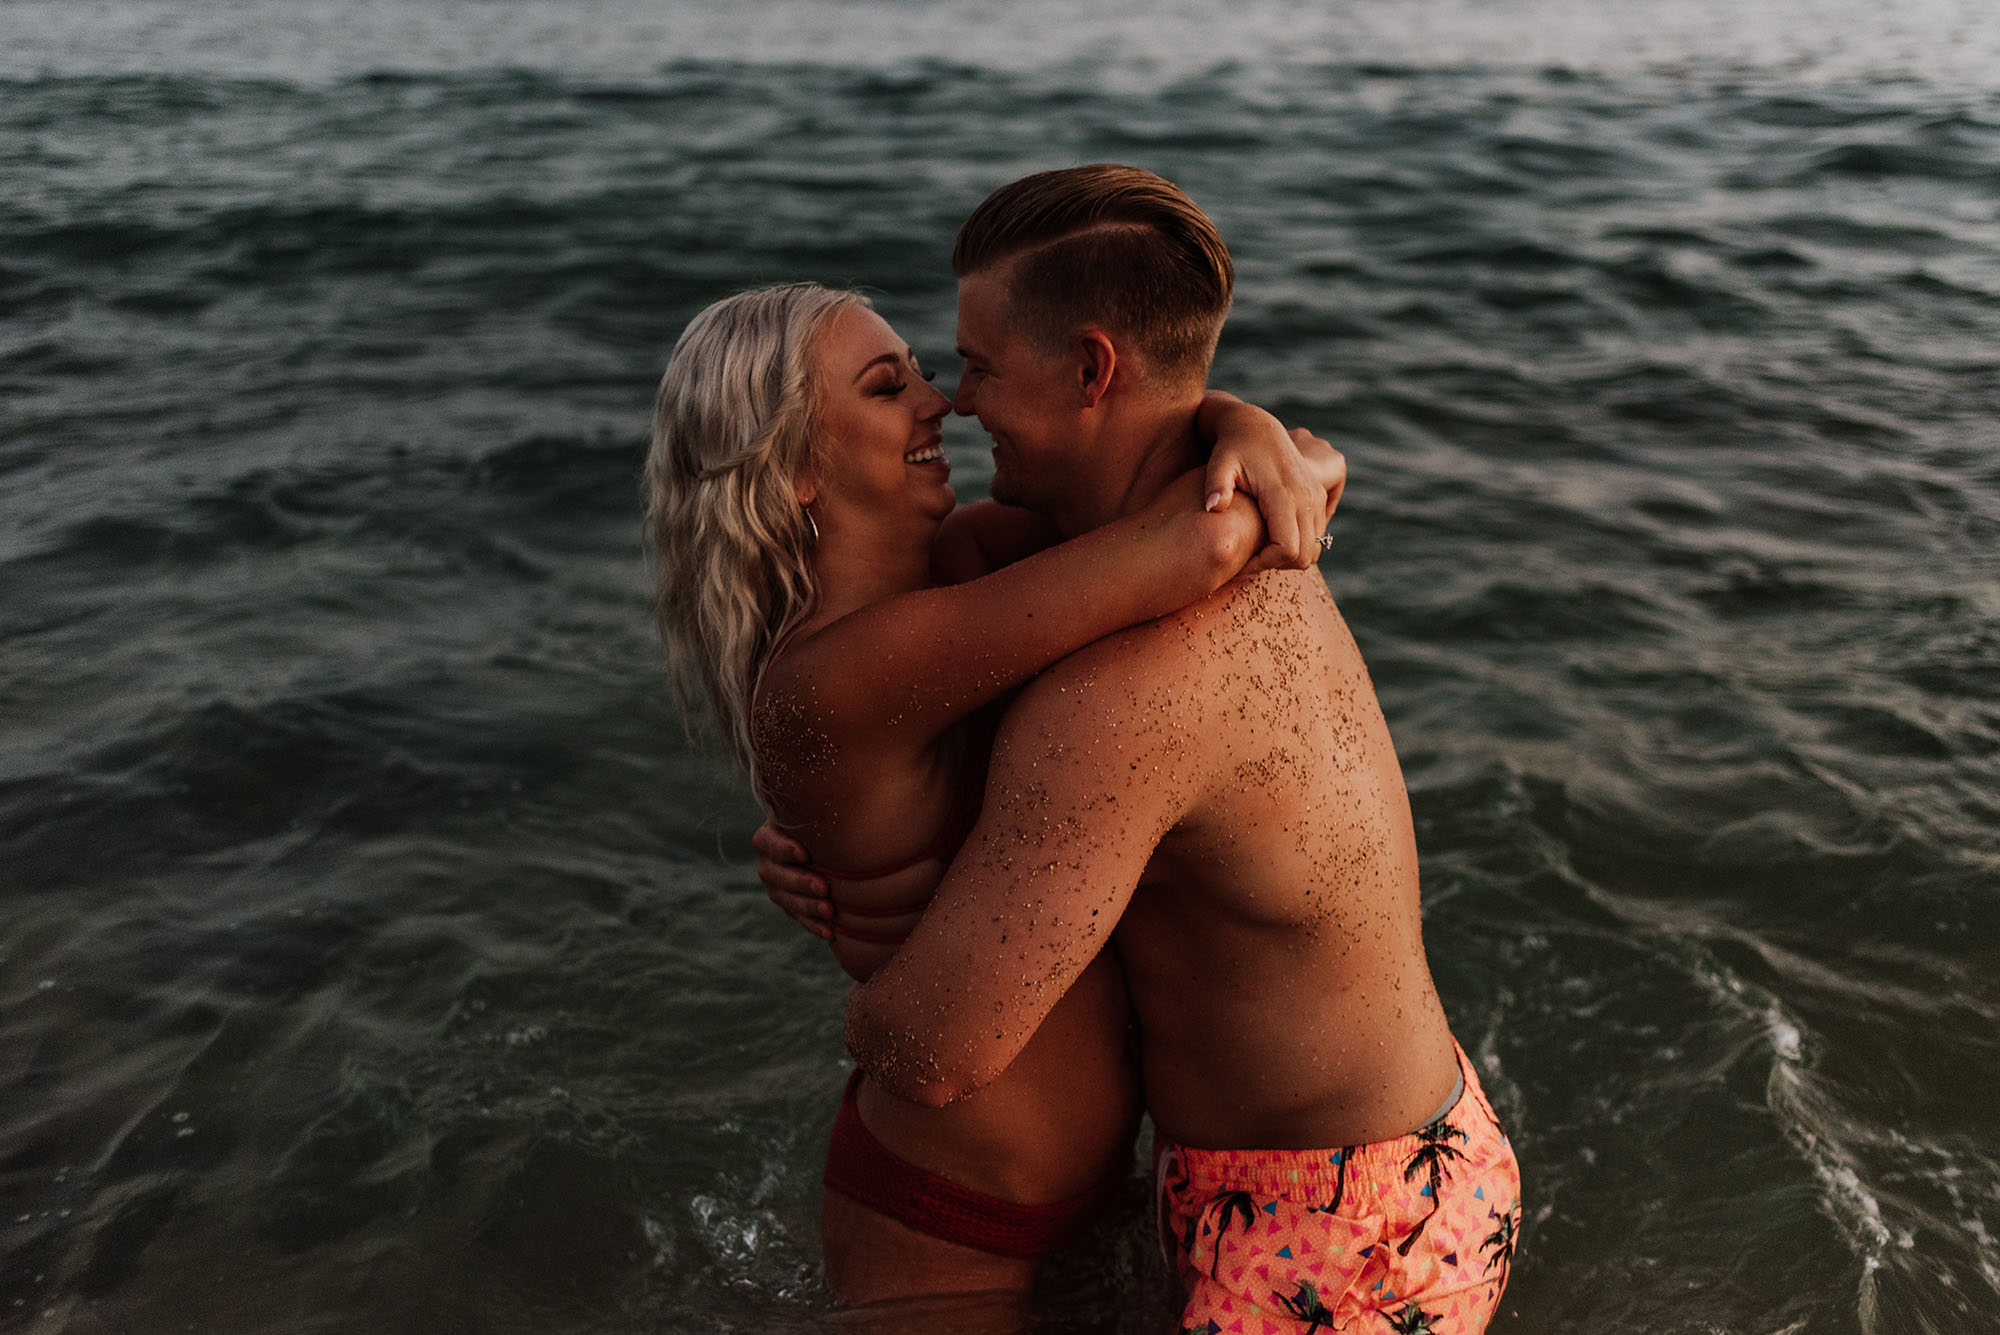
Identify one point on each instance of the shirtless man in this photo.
(1215, 792)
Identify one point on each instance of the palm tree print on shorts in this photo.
(1305, 1305)
(1434, 1155)
(1229, 1205)
(1499, 1244)
(1339, 1160)
(1412, 1320)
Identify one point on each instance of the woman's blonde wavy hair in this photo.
(733, 428)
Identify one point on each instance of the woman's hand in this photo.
(1296, 478)
(800, 894)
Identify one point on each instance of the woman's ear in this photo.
(805, 490)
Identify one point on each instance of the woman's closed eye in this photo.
(891, 388)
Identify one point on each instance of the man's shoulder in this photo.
(1163, 645)
(1128, 670)
(1246, 607)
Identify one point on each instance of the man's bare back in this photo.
(1218, 786)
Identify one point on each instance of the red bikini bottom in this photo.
(860, 1166)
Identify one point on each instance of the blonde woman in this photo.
(852, 631)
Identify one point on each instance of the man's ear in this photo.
(1096, 364)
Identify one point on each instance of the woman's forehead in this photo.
(857, 338)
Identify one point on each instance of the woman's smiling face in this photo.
(880, 424)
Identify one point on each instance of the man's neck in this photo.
(1131, 463)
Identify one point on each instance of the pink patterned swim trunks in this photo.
(1409, 1235)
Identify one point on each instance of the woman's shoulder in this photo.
(806, 675)
(816, 719)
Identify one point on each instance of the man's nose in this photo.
(962, 397)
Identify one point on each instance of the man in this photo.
(1217, 794)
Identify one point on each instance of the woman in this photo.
(852, 630)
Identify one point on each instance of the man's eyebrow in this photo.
(907, 354)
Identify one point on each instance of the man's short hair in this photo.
(1106, 245)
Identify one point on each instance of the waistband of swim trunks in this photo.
(1322, 1173)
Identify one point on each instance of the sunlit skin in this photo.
(1216, 787)
(857, 727)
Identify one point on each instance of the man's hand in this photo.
(800, 894)
(1296, 477)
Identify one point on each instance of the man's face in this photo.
(1021, 396)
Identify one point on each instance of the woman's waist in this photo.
(1030, 1136)
(1059, 1118)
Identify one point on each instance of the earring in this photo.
(812, 529)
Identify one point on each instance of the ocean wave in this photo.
(352, 823)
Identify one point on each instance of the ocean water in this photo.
(377, 953)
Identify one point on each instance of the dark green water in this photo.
(375, 955)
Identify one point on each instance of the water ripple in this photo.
(372, 919)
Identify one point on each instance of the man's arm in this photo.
(1089, 771)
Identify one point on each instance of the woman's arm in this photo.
(900, 671)
(1296, 478)
(1252, 453)
(1286, 482)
